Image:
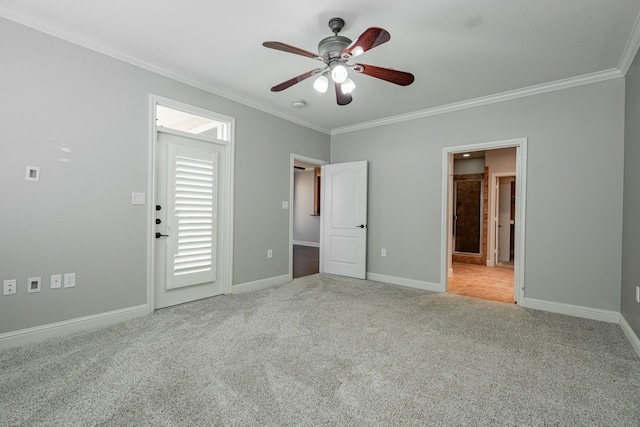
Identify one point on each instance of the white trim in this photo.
(311, 161)
(491, 241)
(409, 283)
(227, 213)
(310, 244)
(520, 226)
(52, 330)
(258, 285)
(631, 336)
(64, 33)
(599, 76)
(77, 38)
(571, 310)
(631, 48)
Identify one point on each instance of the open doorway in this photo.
(305, 217)
(482, 193)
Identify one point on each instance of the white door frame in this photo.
(311, 161)
(521, 185)
(493, 242)
(226, 207)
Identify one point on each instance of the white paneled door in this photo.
(186, 221)
(344, 224)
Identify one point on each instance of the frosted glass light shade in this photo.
(357, 51)
(338, 73)
(321, 84)
(347, 86)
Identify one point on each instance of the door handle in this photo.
(361, 226)
(159, 235)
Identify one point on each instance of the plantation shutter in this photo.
(192, 216)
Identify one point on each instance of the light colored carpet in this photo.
(325, 350)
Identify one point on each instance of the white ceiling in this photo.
(458, 50)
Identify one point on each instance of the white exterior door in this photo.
(344, 223)
(186, 222)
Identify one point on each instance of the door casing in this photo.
(493, 226)
(225, 233)
(521, 186)
(311, 161)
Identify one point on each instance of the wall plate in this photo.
(33, 173)
(9, 287)
(56, 281)
(69, 280)
(34, 284)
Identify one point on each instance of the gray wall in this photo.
(501, 160)
(631, 226)
(574, 189)
(79, 217)
(306, 228)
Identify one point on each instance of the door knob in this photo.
(361, 226)
(159, 235)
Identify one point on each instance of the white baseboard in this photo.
(260, 284)
(571, 310)
(631, 336)
(51, 330)
(409, 283)
(311, 244)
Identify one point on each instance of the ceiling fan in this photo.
(336, 52)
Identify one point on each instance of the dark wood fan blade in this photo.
(291, 49)
(371, 38)
(394, 76)
(342, 98)
(297, 79)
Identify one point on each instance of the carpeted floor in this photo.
(325, 350)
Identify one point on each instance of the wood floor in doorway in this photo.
(306, 260)
(490, 283)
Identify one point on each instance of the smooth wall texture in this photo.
(574, 189)
(306, 228)
(631, 226)
(83, 118)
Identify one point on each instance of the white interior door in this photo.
(344, 219)
(186, 230)
(504, 219)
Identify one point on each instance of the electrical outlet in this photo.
(269, 253)
(69, 280)
(34, 284)
(637, 293)
(9, 287)
(383, 252)
(56, 281)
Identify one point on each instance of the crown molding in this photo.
(22, 17)
(600, 76)
(631, 48)
(29, 20)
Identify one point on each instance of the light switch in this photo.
(285, 204)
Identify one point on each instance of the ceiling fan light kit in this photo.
(335, 52)
(321, 84)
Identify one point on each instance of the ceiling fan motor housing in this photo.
(330, 47)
